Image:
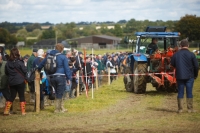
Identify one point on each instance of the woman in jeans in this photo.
(16, 70)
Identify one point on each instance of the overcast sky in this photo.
(57, 11)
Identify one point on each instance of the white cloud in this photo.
(95, 10)
(10, 5)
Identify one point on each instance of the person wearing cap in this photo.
(152, 47)
(29, 67)
(31, 59)
(186, 66)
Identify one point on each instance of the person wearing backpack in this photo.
(15, 70)
(56, 67)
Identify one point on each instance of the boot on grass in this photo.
(7, 108)
(57, 105)
(32, 97)
(180, 105)
(190, 105)
(42, 105)
(23, 110)
(62, 107)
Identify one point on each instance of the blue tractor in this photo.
(142, 68)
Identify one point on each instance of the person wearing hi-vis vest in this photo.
(110, 65)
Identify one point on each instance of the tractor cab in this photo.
(165, 39)
(152, 67)
(166, 44)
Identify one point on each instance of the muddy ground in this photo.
(150, 112)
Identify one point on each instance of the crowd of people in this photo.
(64, 80)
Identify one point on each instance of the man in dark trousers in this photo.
(187, 67)
(29, 67)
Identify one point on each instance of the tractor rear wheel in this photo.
(139, 81)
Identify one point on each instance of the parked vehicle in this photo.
(143, 68)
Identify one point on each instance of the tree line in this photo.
(188, 26)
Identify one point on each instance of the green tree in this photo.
(13, 40)
(60, 30)
(130, 27)
(35, 33)
(70, 30)
(47, 34)
(22, 33)
(118, 30)
(90, 30)
(189, 26)
(36, 26)
(32, 27)
(6, 37)
(10, 27)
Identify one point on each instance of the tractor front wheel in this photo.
(139, 77)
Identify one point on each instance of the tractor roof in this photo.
(157, 32)
(156, 29)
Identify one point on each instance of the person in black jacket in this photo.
(152, 47)
(87, 71)
(186, 66)
(16, 70)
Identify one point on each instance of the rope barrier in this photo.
(145, 74)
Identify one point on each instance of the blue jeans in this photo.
(59, 84)
(188, 83)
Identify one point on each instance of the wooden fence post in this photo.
(97, 86)
(37, 90)
(78, 86)
(108, 75)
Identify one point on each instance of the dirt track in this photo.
(150, 112)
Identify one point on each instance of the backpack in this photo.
(51, 66)
(30, 75)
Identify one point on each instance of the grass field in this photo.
(112, 110)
